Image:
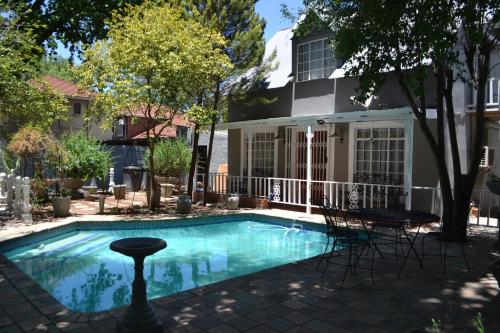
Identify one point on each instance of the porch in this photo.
(356, 158)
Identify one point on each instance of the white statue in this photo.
(18, 200)
(111, 180)
(10, 191)
(3, 179)
(26, 204)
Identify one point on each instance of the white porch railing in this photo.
(346, 194)
(492, 95)
(485, 209)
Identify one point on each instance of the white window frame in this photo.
(323, 68)
(353, 127)
(244, 152)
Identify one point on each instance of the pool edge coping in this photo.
(24, 284)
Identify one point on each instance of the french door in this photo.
(296, 151)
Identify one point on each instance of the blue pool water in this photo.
(80, 270)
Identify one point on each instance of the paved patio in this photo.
(290, 298)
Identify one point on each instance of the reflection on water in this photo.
(83, 274)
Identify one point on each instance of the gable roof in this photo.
(282, 43)
(68, 89)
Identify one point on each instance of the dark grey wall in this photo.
(424, 168)
(341, 158)
(234, 151)
(280, 107)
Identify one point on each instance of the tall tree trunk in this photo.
(194, 158)
(211, 142)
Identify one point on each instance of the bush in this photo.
(32, 142)
(87, 157)
(172, 158)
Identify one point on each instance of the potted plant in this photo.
(87, 159)
(171, 160)
(61, 200)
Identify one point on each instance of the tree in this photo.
(23, 98)
(58, 67)
(447, 40)
(243, 28)
(72, 23)
(151, 66)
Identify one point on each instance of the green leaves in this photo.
(22, 99)
(171, 157)
(86, 157)
(156, 60)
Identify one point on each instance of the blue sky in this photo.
(268, 9)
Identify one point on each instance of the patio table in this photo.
(403, 219)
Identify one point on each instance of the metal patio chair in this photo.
(394, 199)
(344, 241)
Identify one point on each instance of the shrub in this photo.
(171, 157)
(32, 142)
(87, 157)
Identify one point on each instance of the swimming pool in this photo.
(80, 271)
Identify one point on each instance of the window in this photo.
(77, 109)
(262, 155)
(181, 132)
(379, 155)
(314, 60)
(119, 129)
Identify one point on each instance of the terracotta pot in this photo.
(233, 201)
(120, 191)
(197, 196)
(166, 190)
(61, 205)
(213, 197)
(184, 204)
(73, 184)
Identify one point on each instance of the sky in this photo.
(268, 9)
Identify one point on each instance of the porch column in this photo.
(408, 179)
(249, 162)
(309, 135)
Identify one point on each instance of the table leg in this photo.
(412, 248)
(370, 238)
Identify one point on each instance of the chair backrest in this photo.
(334, 216)
(394, 198)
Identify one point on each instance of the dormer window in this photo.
(314, 60)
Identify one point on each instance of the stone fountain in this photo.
(139, 316)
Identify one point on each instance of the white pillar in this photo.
(249, 162)
(111, 180)
(10, 191)
(18, 200)
(408, 176)
(309, 135)
(3, 179)
(26, 204)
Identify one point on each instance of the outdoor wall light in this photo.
(321, 122)
(338, 134)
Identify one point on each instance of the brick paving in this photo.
(292, 298)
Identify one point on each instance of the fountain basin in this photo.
(138, 246)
